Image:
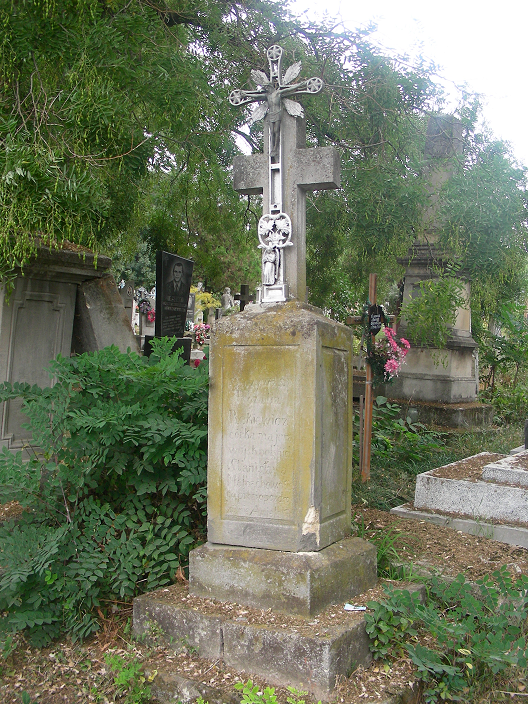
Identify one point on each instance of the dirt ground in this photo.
(68, 674)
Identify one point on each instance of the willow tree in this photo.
(94, 96)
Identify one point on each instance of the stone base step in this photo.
(293, 652)
(170, 688)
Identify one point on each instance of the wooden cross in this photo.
(244, 296)
(284, 174)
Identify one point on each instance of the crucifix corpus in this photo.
(283, 174)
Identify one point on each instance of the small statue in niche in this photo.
(270, 265)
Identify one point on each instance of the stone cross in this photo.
(244, 296)
(283, 174)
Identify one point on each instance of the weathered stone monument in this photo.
(127, 296)
(280, 430)
(66, 302)
(443, 383)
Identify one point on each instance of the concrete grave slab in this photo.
(476, 499)
(488, 498)
(511, 535)
(512, 469)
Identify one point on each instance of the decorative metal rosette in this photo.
(275, 231)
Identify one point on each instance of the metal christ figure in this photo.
(272, 93)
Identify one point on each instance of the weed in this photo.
(471, 637)
(385, 541)
(26, 699)
(128, 679)
(252, 695)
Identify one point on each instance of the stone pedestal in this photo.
(295, 583)
(280, 429)
(279, 467)
(429, 374)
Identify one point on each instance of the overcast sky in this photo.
(482, 45)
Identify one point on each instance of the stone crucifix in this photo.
(284, 174)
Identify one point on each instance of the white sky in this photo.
(483, 45)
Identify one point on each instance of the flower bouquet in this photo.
(386, 356)
(200, 333)
(144, 306)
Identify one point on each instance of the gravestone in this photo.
(66, 302)
(280, 435)
(244, 297)
(190, 308)
(127, 296)
(173, 286)
(441, 385)
(280, 403)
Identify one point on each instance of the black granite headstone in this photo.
(173, 284)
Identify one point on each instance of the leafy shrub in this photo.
(432, 313)
(473, 632)
(510, 403)
(115, 494)
(397, 440)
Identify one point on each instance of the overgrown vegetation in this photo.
(401, 449)
(114, 495)
(461, 639)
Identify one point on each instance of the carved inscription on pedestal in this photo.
(258, 450)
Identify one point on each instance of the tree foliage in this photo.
(485, 211)
(116, 132)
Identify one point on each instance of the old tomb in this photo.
(173, 287)
(280, 435)
(486, 494)
(441, 385)
(66, 302)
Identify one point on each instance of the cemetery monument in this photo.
(65, 302)
(444, 383)
(280, 431)
(173, 286)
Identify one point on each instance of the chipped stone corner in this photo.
(312, 524)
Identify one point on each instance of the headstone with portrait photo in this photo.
(173, 286)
